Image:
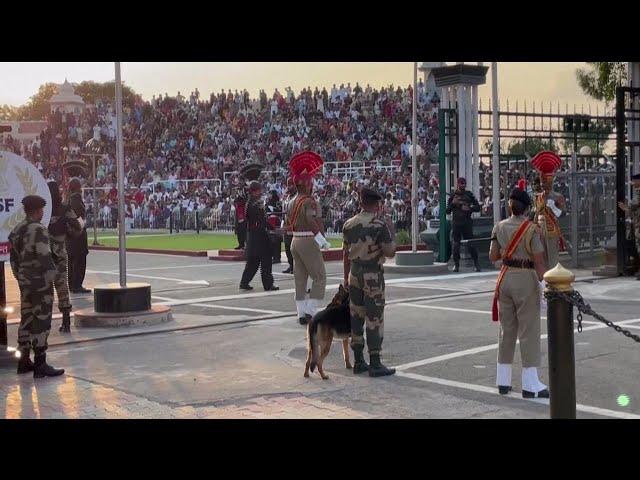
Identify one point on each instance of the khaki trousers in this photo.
(308, 262)
(519, 315)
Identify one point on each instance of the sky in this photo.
(517, 81)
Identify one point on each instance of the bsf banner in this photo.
(18, 178)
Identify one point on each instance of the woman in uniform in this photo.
(516, 304)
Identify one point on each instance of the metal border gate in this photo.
(587, 178)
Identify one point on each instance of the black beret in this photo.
(521, 196)
(635, 177)
(33, 202)
(369, 195)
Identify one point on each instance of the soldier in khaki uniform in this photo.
(305, 223)
(34, 270)
(367, 240)
(633, 209)
(63, 223)
(516, 241)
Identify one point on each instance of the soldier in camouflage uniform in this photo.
(34, 270)
(367, 240)
(64, 223)
(633, 209)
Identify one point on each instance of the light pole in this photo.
(94, 150)
(121, 173)
(414, 164)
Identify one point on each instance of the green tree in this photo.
(38, 105)
(93, 91)
(8, 112)
(600, 80)
(522, 147)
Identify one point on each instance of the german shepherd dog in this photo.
(333, 321)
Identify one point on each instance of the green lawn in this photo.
(204, 241)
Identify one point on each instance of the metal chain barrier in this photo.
(575, 299)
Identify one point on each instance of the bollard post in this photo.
(562, 363)
(197, 222)
(171, 223)
(3, 310)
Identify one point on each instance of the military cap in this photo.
(369, 196)
(635, 177)
(33, 202)
(521, 196)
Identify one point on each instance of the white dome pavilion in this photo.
(66, 99)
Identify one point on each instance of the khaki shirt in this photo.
(529, 245)
(307, 213)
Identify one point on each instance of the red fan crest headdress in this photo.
(547, 163)
(304, 166)
(522, 184)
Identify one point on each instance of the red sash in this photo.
(513, 244)
(295, 211)
(551, 218)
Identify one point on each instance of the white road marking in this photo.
(167, 279)
(138, 235)
(224, 307)
(486, 348)
(493, 391)
(433, 287)
(292, 290)
(438, 307)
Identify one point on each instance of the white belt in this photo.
(303, 234)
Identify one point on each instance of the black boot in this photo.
(25, 365)
(456, 268)
(42, 369)
(66, 322)
(377, 369)
(359, 364)
(477, 264)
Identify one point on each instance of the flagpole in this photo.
(120, 160)
(414, 164)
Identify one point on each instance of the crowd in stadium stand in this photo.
(362, 133)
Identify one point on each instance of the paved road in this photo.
(229, 354)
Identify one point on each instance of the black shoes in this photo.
(303, 320)
(525, 394)
(66, 323)
(239, 248)
(456, 268)
(478, 267)
(25, 365)
(541, 394)
(288, 270)
(272, 288)
(246, 287)
(359, 364)
(81, 290)
(41, 369)
(377, 369)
